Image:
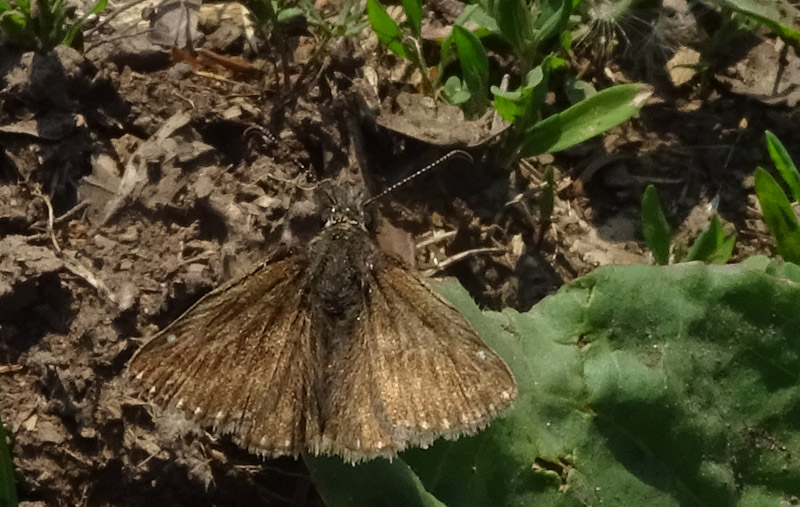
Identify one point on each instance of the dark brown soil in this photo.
(130, 185)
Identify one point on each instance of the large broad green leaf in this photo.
(779, 215)
(8, 491)
(638, 385)
(585, 119)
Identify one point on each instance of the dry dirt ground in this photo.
(131, 183)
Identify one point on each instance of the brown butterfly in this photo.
(336, 349)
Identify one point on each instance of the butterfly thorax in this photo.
(339, 260)
(340, 255)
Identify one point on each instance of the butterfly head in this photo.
(343, 204)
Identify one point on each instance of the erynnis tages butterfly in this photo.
(336, 349)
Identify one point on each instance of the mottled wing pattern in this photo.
(239, 360)
(416, 371)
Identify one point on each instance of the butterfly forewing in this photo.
(239, 360)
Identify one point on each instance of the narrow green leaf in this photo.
(385, 28)
(553, 18)
(474, 67)
(413, 10)
(655, 227)
(776, 15)
(778, 215)
(515, 23)
(712, 246)
(8, 489)
(783, 162)
(586, 119)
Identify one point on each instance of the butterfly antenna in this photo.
(436, 163)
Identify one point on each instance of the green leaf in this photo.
(638, 386)
(655, 228)
(474, 68)
(553, 18)
(783, 162)
(516, 24)
(98, 7)
(480, 17)
(778, 215)
(8, 489)
(776, 15)
(413, 10)
(712, 246)
(385, 28)
(593, 116)
(522, 105)
(290, 13)
(354, 486)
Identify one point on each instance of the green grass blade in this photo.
(778, 215)
(8, 490)
(585, 119)
(474, 68)
(783, 162)
(655, 227)
(385, 28)
(413, 10)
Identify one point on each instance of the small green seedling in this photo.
(403, 40)
(532, 133)
(42, 25)
(775, 204)
(712, 246)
